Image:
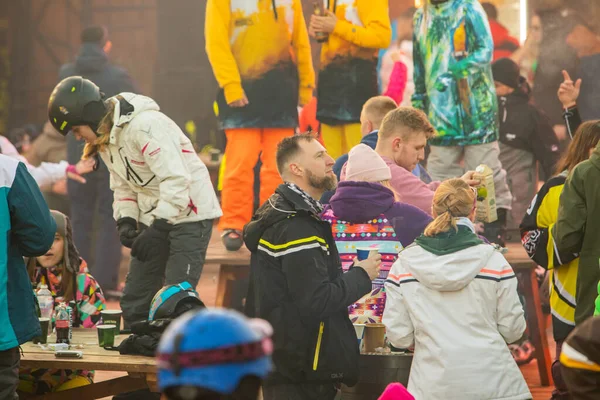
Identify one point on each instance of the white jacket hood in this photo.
(140, 104)
(450, 272)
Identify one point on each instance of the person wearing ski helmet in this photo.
(164, 202)
(214, 354)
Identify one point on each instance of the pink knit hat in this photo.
(395, 391)
(365, 165)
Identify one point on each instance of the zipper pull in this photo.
(274, 9)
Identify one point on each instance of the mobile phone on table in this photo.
(68, 354)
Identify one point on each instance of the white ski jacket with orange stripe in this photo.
(459, 310)
(154, 169)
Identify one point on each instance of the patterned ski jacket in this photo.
(90, 301)
(365, 214)
(260, 48)
(538, 240)
(348, 75)
(453, 77)
(89, 297)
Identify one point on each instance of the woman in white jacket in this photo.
(164, 202)
(455, 299)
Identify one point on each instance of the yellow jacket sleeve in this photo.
(218, 49)
(302, 50)
(376, 32)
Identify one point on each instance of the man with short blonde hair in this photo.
(406, 121)
(373, 112)
(402, 139)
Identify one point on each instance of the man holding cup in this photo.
(297, 282)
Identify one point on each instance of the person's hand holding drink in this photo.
(371, 264)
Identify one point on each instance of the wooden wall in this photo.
(46, 34)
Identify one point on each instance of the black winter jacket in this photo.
(297, 284)
(524, 126)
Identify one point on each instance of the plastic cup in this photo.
(112, 317)
(106, 335)
(44, 324)
(215, 155)
(374, 337)
(360, 334)
(362, 253)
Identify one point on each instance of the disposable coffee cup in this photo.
(374, 337)
(106, 335)
(360, 334)
(362, 253)
(44, 324)
(112, 317)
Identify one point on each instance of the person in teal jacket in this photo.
(454, 86)
(28, 229)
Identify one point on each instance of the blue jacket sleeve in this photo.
(32, 226)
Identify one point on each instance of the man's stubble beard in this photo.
(326, 183)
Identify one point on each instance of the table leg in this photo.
(535, 322)
(228, 275)
(222, 285)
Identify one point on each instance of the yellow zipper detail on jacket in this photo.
(318, 348)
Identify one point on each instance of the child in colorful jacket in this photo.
(67, 276)
(364, 212)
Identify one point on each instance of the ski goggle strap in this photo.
(201, 358)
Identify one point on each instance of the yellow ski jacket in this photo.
(259, 48)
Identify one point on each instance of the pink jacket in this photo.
(396, 391)
(397, 84)
(408, 187)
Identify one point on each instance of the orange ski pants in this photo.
(244, 146)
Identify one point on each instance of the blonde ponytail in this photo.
(453, 199)
(442, 223)
(104, 128)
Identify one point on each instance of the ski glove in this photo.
(127, 228)
(152, 242)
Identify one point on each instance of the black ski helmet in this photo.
(166, 302)
(76, 101)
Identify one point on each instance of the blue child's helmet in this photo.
(167, 299)
(213, 349)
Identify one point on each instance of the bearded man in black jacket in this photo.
(297, 283)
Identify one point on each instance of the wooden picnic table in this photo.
(141, 370)
(524, 267)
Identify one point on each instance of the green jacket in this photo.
(452, 54)
(579, 209)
